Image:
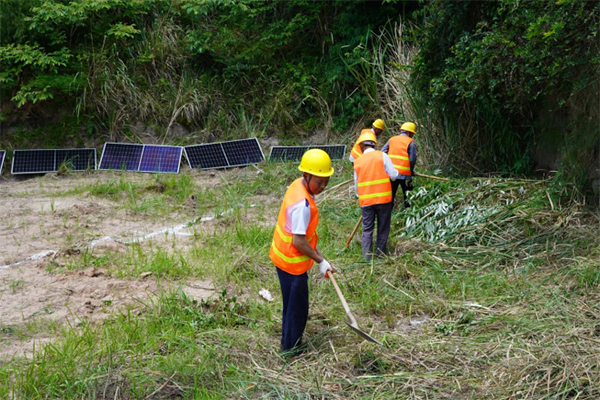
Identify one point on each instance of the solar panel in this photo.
(294, 153)
(206, 156)
(76, 159)
(32, 161)
(243, 152)
(233, 153)
(121, 156)
(2, 153)
(335, 151)
(287, 153)
(140, 157)
(41, 161)
(161, 159)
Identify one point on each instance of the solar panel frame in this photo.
(47, 160)
(287, 153)
(218, 155)
(149, 158)
(294, 153)
(206, 159)
(2, 157)
(110, 158)
(140, 157)
(238, 152)
(42, 161)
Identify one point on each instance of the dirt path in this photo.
(41, 226)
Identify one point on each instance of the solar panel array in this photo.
(233, 153)
(158, 158)
(140, 157)
(295, 153)
(41, 161)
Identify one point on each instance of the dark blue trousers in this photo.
(383, 214)
(406, 185)
(294, 291)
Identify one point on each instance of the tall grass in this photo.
(400, 102)
(490, 291)
(451, 142)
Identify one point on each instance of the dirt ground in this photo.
(41, 229)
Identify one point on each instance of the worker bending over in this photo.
(294, 247)
(377, 129)
(372, 174)
(402, 149)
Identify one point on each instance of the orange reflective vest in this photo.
(283, 253)
(356, 151)
(398, 152)
(373, 183)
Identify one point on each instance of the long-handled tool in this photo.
(352, 323)
(439, 178)
(353, 232)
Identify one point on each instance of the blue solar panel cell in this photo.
(224, 154)
(243, 152)
(335, 151)
(287, 153)
(206, 156)
(161, 159)
(121, 156)
(76, 159)
(294, 153)
(33, 161)
(141, 157)
(40, 161)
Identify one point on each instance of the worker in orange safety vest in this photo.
(402, 149)
(294, 248)
(372, 174)
(377, 129)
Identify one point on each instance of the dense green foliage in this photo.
(203, 64)
(498, 86)
(513, 71)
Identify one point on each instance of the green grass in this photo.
(491, 291)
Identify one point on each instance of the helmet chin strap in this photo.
(307, 181)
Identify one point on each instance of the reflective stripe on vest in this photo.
(283, 253)
(373, 183)
(398, 152)
(356, 151)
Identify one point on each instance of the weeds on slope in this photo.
(490, 291)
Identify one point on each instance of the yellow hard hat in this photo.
(379, 124)
(409, 126)
(367, 137)
(316, 162)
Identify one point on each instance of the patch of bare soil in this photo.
(42, 225)
(30, 294)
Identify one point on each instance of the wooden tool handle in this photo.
(341, 296)
(354, 231)
(439, 178)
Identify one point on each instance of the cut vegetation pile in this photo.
(491, 291)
